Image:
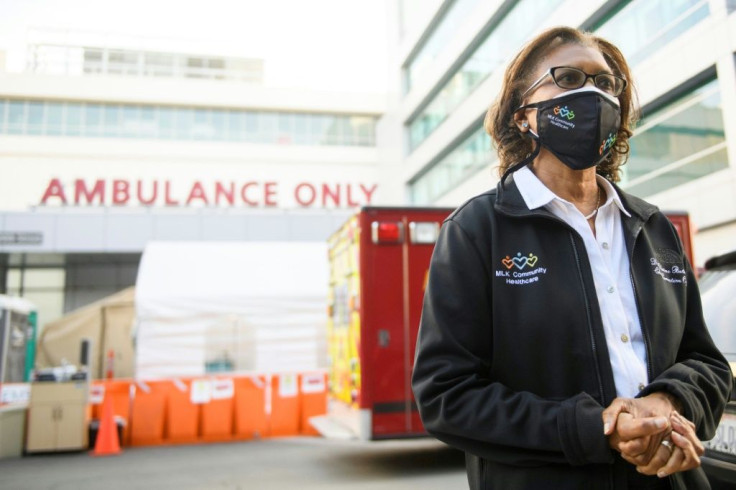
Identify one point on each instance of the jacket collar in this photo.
(509, 201)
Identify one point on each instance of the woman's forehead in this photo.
(587, 58)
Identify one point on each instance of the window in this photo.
(644, 26)
(437, 40)
(35, 121)
(54, 118)
(236, 125)
(148, 124)
(131, 121)
(93, 120)
(678, 143)
(468, 157)
(121, 62)
(74, 121)
(16, 117)
(112, 123)
(32, 117)
(166, 122)
(43, 287)
(511, 31)
(93, 60)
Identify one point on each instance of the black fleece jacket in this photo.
(511, 361)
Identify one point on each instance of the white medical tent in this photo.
(207, 307)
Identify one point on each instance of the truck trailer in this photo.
(379, 264)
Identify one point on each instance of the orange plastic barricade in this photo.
(147, 413)
(284, 405)
(250, 416)
(182, 415)
(217, 413)
(313, 400)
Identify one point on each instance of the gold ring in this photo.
(668, 445)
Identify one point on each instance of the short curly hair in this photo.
(511, 144)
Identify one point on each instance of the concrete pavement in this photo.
(300, 463)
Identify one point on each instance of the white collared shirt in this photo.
(609, 262)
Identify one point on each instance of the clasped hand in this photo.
(651, 434)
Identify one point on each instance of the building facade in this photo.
(449, 67)
(106, 145)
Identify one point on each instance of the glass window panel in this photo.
(12, 280)
(518, 24)
(329, 130)
(201, 126)
(35, 120)
(184, 123)
(689, 128)
(252, 126)
(122, 62)
(218, 120)
(267, 129)
(285, 128)
(3, 107)
(148, 122)
(137, 121)
(54, 118)
(130, 121)
(644, 26)
(301, 129)
(92, 60)
(437, 40)
(49, 304)
(236, 125)
(158, 64)
(111, 120)
(16, 116)
(43, 278)
(166, 122)
(345, 131)
(73, 125)
(470, 156)
(682, 175)
(93, 120)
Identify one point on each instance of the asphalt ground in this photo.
(305, 463)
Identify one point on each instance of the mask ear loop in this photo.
(526, 161)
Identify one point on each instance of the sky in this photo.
(311, 44)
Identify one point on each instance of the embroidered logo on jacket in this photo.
(520, 269)
(667, 264)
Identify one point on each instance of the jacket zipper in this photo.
(585, 294)
(592, 338)
(644, 333)
(590, 321)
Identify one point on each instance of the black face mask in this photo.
(579, 127)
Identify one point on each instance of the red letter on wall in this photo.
(80, 190)
(120, 191)
(54, 189)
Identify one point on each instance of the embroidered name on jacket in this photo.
(520, 269)
(667, 264)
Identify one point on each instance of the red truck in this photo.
(379, 264)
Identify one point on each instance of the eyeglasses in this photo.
(571, 78)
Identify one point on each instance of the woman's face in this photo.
(588, 59)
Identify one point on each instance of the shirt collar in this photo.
(537, 195)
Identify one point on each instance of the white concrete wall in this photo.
(188, 92)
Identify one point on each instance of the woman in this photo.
(562, 343)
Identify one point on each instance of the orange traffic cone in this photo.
(107, 434)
